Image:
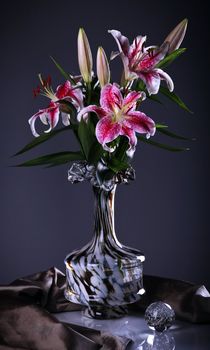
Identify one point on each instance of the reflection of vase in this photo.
(104, 275)
(158, 341)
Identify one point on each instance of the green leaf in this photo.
(170, 58)
(139, 86)
(161, 126)
(95, 153)
(119, 159)
(153, 97)
(86, 137)
(120, 153)
(171, 134)
(160, 145)
(173, 97)
(42, 138)
(117, 165)
(54, 159)
(62, 71)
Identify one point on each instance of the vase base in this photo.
(105, 312)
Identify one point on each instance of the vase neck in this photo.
(104, 215)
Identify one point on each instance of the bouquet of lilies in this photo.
(106, 117)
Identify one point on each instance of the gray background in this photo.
(165, 212)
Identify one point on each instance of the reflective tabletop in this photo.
(181, 336)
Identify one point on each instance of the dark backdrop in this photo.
(165, 212)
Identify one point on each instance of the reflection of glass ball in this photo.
(158, 341)
(159, 316)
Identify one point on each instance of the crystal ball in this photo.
(159, 316)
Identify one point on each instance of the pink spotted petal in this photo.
(63, 90)
(164, 76)
(136, 49)
(151, 80)
(73, 93)
(111, 98)
(121, 40)
(77, 98)
(91, 108)
(140, 122)
(152, 58)
(48, 115)
(107, 131)
(127, 131)
(129, 102)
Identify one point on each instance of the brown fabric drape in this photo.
(27, 304)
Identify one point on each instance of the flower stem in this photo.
(89, 93)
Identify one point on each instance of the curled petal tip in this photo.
(143, 96)
(31, 122)
(130, 152)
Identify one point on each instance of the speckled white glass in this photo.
(104, 275)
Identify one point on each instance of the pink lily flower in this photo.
(50, 115)
(140, 62)
(118, 116)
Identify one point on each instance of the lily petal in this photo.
(52, 115)
(124, 47)
(164, 76)
(32, 123)
(136, 49)
(126, 131)
(130, 100)
(66, 91)
(77, 97)
(65, 118)
(152, 81)
(152, 58)
(111, 98)
(91, 108)
(128, 74)
(49, 116)
(43, 118)
(107, 131)
(121, 40)
(140, 123)
(63, 90)
(130, 134)
(114, 54)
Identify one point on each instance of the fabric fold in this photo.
(27, 306)
(190, 302)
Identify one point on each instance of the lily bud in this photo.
(177, 35)
(84, 56)
(103, 71)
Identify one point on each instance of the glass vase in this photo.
(104, 276)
